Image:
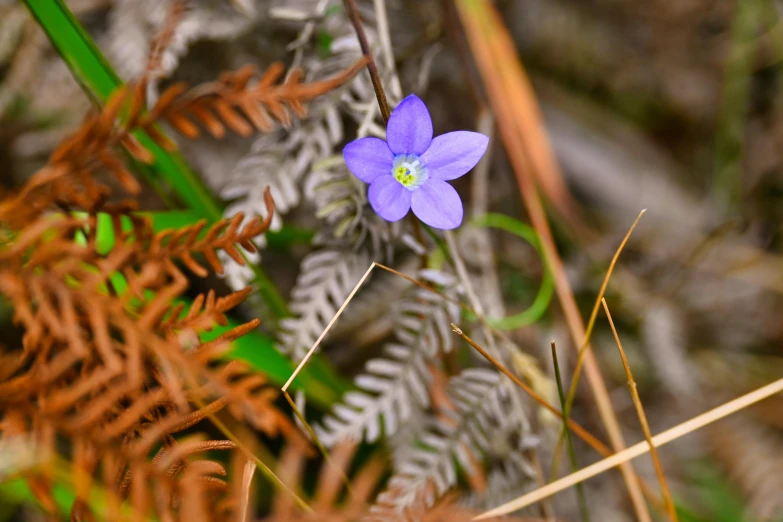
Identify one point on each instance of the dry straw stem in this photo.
(340, 311)
(638, 449)
(585, 347)
(462, 272)
(247, 482)
(505, 81)
(667, 497)
(328, 327)
(584, 350)
(575, 427)
(382, 22)
(581, 432)
(521, 104)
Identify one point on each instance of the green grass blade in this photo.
(584, 512)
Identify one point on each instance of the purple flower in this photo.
(410, 169)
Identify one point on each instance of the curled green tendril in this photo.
(544, 296)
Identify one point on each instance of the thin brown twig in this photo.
(450, 299)
(372, 68)
(667, 497)
(380, 93)
(583, 434)
(578, 430)
(575, 427)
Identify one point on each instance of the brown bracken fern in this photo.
(103, 381)
(110, 365)
(237, 100)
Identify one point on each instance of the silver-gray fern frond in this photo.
(394, 386)
(325, 279)
(462, 435)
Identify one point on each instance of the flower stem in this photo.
(380, 95)
(372, 68)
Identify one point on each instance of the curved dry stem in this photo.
(667, 497)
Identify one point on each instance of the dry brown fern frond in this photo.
(110, 369)
(204, 311)
(225, 235)
(239, 100)
(125, 407)
(236, 101)
(68, 179)
(56, 285)
(103, 380)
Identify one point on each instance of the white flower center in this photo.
(409, 171)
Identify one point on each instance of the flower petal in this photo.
(368, 158)
(453, 154)
(409, 130)
(389, 198)
(437, 204)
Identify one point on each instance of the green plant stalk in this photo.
(580, 493)
(99, 81)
